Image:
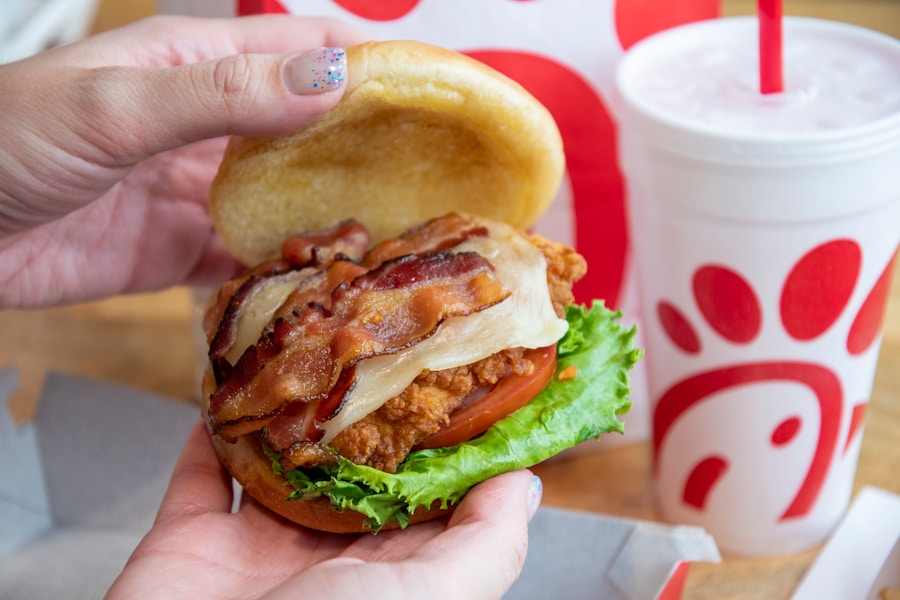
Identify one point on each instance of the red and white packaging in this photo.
(564, 52)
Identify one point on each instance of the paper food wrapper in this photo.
(29, 26)
(565, 53)
(862, 557)
(80, 486)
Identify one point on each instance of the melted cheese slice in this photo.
(526, 318)
(260, 309)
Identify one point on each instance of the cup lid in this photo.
(693, 90)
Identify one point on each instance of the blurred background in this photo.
(881, 15)
(27, 26)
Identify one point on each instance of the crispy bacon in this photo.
(352, 307)
(300, 421)
(379, 312)
(436, 235)
(218, 316)
(227, 328)
(347, 240)
(314, 292)
(403, 301)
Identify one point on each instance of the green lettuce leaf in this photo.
(563, 415)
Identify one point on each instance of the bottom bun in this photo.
(246, 461)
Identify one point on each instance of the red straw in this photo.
(771, 78)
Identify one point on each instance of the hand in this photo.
(108, 147)
(199, 549)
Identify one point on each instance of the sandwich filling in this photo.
(336, 348)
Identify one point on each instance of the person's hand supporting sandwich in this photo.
(199, 550)
(107, 149)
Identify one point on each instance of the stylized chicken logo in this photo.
(789, 414)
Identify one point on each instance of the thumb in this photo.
(243, 94)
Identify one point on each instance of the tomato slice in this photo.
(507, 396)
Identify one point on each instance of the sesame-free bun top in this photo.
(419, 132)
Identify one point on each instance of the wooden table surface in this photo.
(147, 341)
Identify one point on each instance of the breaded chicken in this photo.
(385, 437)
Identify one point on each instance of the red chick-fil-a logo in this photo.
(814, 295)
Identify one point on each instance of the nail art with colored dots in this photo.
(318, 72)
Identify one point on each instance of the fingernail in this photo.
(318, 72)
(535, 493)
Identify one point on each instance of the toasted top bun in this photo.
(420, 131)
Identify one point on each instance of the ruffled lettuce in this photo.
(563, 415)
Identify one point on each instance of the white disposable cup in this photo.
(764, 230)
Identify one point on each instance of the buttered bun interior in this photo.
(420, 131)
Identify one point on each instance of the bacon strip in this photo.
(314, 292)
(347, 240)
(298, 423)
(355, 306)
(436, 235)
(379, 312)
(222, 314)
(227, 329)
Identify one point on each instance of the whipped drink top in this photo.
(833, 79)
